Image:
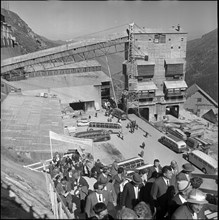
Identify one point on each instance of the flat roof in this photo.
(175, 84)
(27, 120)
(143, 62)
(206, 157)
(139, 30)
(61, 81)
(175, 138)
(146, 86)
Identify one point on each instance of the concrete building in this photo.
(81, 85)
(158, 86)
(199, 102)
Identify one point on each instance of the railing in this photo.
(58, 207)
(206, 176)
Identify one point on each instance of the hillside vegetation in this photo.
(202, 63)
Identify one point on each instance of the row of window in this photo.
(160, 38)
(104, 125)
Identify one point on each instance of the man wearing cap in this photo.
(183, 187)
(108, 186)
(130, 194)
(192, 209)
(185, 174)
(99, 195)
(160, 192)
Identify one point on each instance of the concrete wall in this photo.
(199, 108)
(175, 48)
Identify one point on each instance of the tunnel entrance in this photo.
(144, 112)
(78, 106)
(173, 110)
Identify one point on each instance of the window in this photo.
(179, 47)
(173, 69)
(159, 38)
(182, 39)
(172, 47)
(139, 48)
(169, 39)
(199, 99)
(146, 70)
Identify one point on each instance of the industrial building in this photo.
(154, 78)
(199, 102)
(81, 85)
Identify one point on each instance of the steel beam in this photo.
(57, 52)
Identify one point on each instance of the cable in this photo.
(101, 31)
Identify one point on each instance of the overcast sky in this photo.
(63, 20)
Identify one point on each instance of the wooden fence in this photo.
(59, 209)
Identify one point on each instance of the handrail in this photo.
(57, 207)
(206, 176)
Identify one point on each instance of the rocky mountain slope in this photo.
(202, 63)
(27, 39)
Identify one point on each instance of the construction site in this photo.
(50, 95)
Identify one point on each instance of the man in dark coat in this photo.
(81, 189)
(155, 168)
(159, 192)
(98, 166)
(63, 189)
(193, 208)
(130, 194)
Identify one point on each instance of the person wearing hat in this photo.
(99, 195)
(108, 187)
(193, 208)
(130, 195)
(183, 187)
(185, 174)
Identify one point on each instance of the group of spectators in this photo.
(153, 193)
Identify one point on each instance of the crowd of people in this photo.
(153, 193)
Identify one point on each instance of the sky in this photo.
(64, 20)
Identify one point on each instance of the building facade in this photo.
(198, 101)
(155, 79)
